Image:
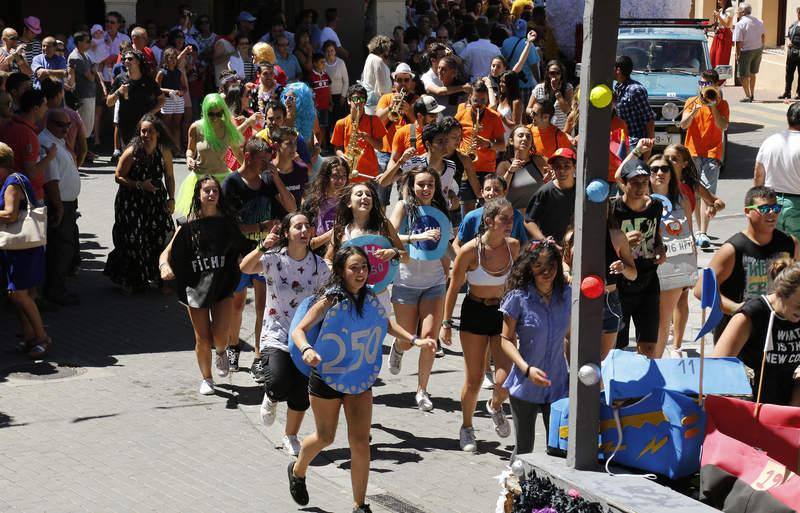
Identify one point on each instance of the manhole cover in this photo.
(43, 370)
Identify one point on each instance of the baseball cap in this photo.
(246, 16)
(96, 28)
(566, 153)
(403, 68)
(430, 103)
(634, 167)
(33, 24)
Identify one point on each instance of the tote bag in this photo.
(30, 228)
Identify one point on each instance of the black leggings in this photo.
(284, 382)
(524, 417)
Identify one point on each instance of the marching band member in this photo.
(426, 111)
(358, 148)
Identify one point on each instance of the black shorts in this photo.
(284, 382)
(480, 319)
(318, 388)
(640, 303)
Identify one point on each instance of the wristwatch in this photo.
(447, 323)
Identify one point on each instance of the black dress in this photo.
(142, 226)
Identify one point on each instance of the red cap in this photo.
(567, 153)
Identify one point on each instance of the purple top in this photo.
(541, 328)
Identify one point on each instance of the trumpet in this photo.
(709, 94)
(395, 108)
(473, 141)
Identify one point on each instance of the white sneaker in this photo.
(291, 444)
(501, 425)
(207, 387)
(424, 402)
(395, 359)
(466, 439)
(222, 364)
(268, 411)
(488, 381)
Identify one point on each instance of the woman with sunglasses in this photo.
(536, 315)
(484, 263)
(679, 271)
(137, 93)
(241, 61)
(210, 138)
(556, 90)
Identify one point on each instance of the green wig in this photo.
(214, 101)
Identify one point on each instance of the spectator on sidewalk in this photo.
(33, 46)
(287, 60)
(48, 64)
(748, 34)
(792, 59)
(139, 41)
(556, 89)
(23, 269)
(631, 102)
(114, 38)
(12, 54)
(62, 186)
(705, 118)
(340, 81)
(76, 135)
(16, 85)
(742, 263)
(85, 73)
(778, 167)
(377, 77)
(478, 54)
(328, 32)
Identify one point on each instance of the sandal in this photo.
(40, 348)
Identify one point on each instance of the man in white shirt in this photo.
(113, 39)
(329, 32)
(778, 167)
(478, 54)
(61, 189)
(748, 34)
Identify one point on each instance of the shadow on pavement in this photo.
(744, 158)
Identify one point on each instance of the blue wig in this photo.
(304, 103)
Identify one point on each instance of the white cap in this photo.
(96, 28)
(403, 68)
(431, 105)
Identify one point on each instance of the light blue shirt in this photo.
(290, 66)
(513, 54)
(42, 62)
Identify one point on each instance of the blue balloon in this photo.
(381, 273)
(429, 218)
(665, 202)
(350, 345)
(311, 336)
(597, 190)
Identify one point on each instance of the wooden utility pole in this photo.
(600, 24)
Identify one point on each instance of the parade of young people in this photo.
(427, 208)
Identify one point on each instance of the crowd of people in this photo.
(466, 117)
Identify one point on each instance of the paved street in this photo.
(112, 420)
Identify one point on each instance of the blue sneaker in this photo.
(702, 240)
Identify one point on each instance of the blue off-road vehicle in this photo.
(668, 58)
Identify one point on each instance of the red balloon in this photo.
(592, 286)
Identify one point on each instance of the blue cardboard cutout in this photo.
(381, 273)
(311, 336)
(349, 345)
(429, 218)
(665, 202)
(710, 299)
(628, 375)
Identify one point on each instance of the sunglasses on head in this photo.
(766, 209)
(546, 242)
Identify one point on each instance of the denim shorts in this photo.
(246, 281)
(408, 296)
(612, 313)
(709, 172)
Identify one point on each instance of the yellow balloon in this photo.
(601, 96)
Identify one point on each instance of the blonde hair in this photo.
(6, 156)
(785, 274)
(263, 52)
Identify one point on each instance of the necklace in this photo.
(544, 295)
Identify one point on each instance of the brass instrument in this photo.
(473, 141)
(395, 108)
(709, 94)
(353, 151)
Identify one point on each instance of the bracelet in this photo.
(414, 341)
(170, 198)
(139, 185)
(306, 348)
(528, 372)
(162, 264)
(447, 323)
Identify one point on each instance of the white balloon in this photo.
(589, 374)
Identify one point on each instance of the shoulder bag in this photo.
(30, 228)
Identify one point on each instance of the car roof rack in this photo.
(698, 23)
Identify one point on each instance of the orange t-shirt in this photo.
(402, 140)
(549, 141)
(391, 128)
(491, 128)
(703, 137)
(370, 125)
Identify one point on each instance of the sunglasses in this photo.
(215, 114)
(358, 99)
(12, 38)
(657, 169)
(402, 80)
(766, 209)
(705, 83)
(547, 242)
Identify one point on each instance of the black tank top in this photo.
(750, 275)
(172, 79)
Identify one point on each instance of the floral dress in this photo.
(142, 226)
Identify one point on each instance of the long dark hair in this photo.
(690, 174)
(164, 138)
(195, 211)
(512, 87)
(317, 191)
(335, 289)
(673, 191)
(233, 99)
(283, 231)
(563, 90)
(410, 197)
(522, 274)
(344, 215)
(144, 66)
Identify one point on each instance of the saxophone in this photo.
(398, 98)
(353, 151)
(473, 141)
